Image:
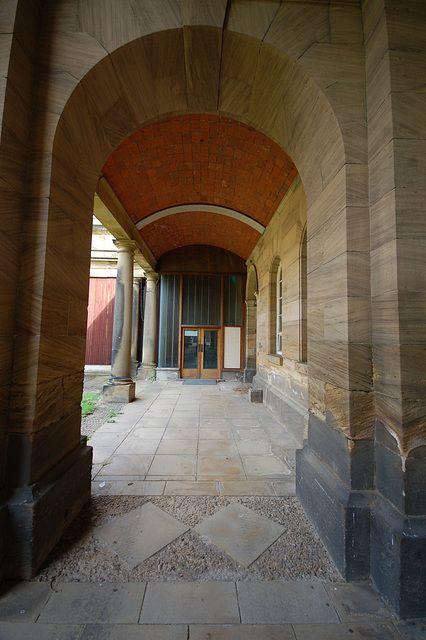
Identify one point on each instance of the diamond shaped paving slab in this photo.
(139, 534)
(240, 532)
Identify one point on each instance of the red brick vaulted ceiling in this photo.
(199, 160)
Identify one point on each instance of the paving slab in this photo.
(95, 469)
(179, 488)
(285, 603)
(251, 434)
(355, 601)
(101, 487)
(101, 454)
(148, 433)
(152, 423)
(176, 433)
(125, 464)
(265, 466)
(218, 466)
(240, 532)
(371, 631)
(183, 423)
(190, 603)
(134, 632)
(175, 446)
(113, 427)
(28, 631)
(214, 433)
(246, 488)
(285, 488)
(246, 423)
(23, 601)
(134, 445)
(137, 488)
(107, 440)
(101, 602)
(169, 465)
(254, 447)
(139, 534)
(215, 423)
(217, 448)
(241, 632)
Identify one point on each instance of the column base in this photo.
(115, 392)
(147, 371)
(39, 514)
(134, 367)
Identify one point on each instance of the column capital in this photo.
(151, 275)
(125, 245)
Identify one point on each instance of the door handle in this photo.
(200, 348)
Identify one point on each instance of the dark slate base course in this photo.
(404, 488)
(379, 534)
(398, 559)
(355, 468)
(341, 517)
(38, 515)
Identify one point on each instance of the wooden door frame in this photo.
(211, 373)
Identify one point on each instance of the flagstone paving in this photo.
(195, 438)
(208, 442)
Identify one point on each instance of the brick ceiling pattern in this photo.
(199, 159)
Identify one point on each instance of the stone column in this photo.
(134, 362)
(147, 369)
(120, 386)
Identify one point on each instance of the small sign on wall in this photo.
(232, 348)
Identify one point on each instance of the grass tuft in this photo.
(88, 403)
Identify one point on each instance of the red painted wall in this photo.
(100, 317)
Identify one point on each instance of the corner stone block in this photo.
(119, 392)
(256, 395)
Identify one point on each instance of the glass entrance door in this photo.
(200, 353)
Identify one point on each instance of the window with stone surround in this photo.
(275, 307)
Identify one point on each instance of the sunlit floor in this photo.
(194, 440)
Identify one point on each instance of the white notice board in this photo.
(232, 348)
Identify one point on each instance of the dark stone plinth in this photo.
(398, 540)
(372, 526)
(39, 514)
(256, 395)
(398, 559)
(355, 468)
(249, 375)
(3, 528)
(341, 516)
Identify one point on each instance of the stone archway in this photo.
(114, 98)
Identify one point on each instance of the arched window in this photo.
(303, 337)
(279, 310)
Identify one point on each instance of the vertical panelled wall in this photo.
(168, 341)
(207, 300)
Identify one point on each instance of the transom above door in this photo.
(200, 353)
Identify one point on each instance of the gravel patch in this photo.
(82, 556)
(102, 413)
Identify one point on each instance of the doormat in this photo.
(191, 381)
